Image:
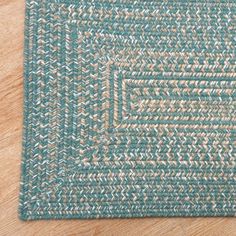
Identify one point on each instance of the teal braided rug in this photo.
(130, 109)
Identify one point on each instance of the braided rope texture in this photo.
(130, 109)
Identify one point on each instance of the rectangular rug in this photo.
(130, 109)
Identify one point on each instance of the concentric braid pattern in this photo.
(130, 109)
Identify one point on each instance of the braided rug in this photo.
(130, 109)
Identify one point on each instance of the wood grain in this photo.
(11, 102)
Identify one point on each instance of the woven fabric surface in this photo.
(130, 109)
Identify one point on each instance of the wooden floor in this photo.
(11, 100)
